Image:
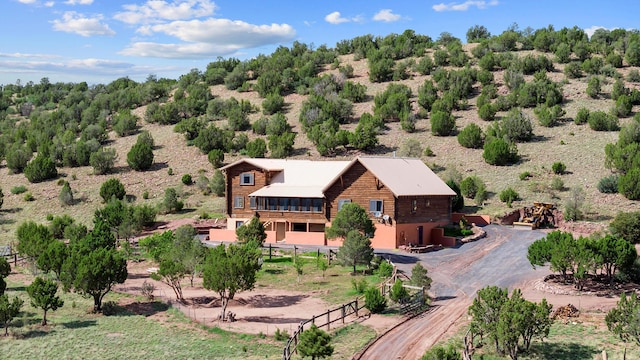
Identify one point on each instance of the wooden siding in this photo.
(359, 185)
(260, 179)
(428, 209)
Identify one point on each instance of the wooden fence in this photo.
(324, 319)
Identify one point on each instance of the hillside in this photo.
(577, 146)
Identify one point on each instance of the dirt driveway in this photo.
(458, 273)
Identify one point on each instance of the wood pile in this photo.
(565, 312)
(537, 216)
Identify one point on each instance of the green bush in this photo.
(281, 335)
(558, 168)
(40, 169)
(557, 183)
(140, 157)
(385, 269)
(457, 202)
(524, 175)
(102, 160)
(609, 184)
(470, 185)
(260, 126)
(573, 70)
(593, 87)
(499, 152)
(170, 203)
(145, 195)
(66, 195)
(582, 116)
(18, 189)
(629, 184)
(374, 301)
(256, 148)
(359, 286)
(398, 293)
(216, 157)
(28, 196)
(487, 112)
(471, 137)
(601, 121)
(623, 106)
(442, 123)
(112, 188)
(516, 126)
(508, 196)
(186, 179)
(272, 104)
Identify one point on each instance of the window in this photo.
(414, 205)
(317, 205)
(238, 202)
(300, 227)
(375, 206)
(295, 204)
(253, 203)
(273, 203)
(239, 223)
(284, 204)
(306, 205)
(341, 203)
(246, 179)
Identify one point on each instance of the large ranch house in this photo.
(297, 199)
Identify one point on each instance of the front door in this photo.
(280, 230)
(420, 235)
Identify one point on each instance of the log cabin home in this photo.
(297, 199)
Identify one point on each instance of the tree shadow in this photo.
(567, 350)
(158, 166)
(273, 320)
(401, 259)
(267, 301)
(36, 333)
(143, 308)
(274, 271)
(79, 324)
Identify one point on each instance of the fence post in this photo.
(329, 319)
(357, 307)
(313, 320)
(295, 252)
(318, 256)
(15, 259)
(270, 251)
(343, 313)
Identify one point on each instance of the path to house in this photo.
(458, 273)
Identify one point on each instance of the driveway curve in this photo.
(457, 273)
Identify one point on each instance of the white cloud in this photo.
(49, 4)
(79, 2)
(335, 18)
(591, 30)
(79, 24)
(27, 56)
(480, 4)
(154, 11)
(27, 1)
(211, 37)
(386, 15)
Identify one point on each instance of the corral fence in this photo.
(325, 319)
(270, 251)
(415, 303)
(9, 255)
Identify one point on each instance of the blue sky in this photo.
(99, 41)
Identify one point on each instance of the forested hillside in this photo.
(522, 116)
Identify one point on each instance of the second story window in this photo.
(246, 179)
(341, 203)
(238, 202)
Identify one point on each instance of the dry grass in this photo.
(580, 148)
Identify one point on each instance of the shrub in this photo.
(217, 183)
(18, 189)
(398, 293)
(66, 195)
(40, 169)
(374, 301)
(256, 148)
(487, 112)
(623, 106)
(573, 70)
(216, 157)
(558, 168)
(145, 195)
(499, 152)
(112, 188)
(629, 184)
(170, 203)
(516, 126)
(633, 75)
(601, 121)
(140, 157)
(508, 196)
(102, 160)
(410, 148)
(260, 126)
(557, 183)
(281, 335)
(17, 157)
(457, 202)
(442, 123)
(582, 116)
(202, 183)
(28, 196)
(524, 175)
(186, 179)
(471, 137)
(593, 87)
(470, 185)
(125, 123)
(385, 269)
(272, 104)
(359, 286)
(145, 138)
(573, 205)
(608, 184)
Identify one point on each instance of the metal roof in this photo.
(306, 178)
